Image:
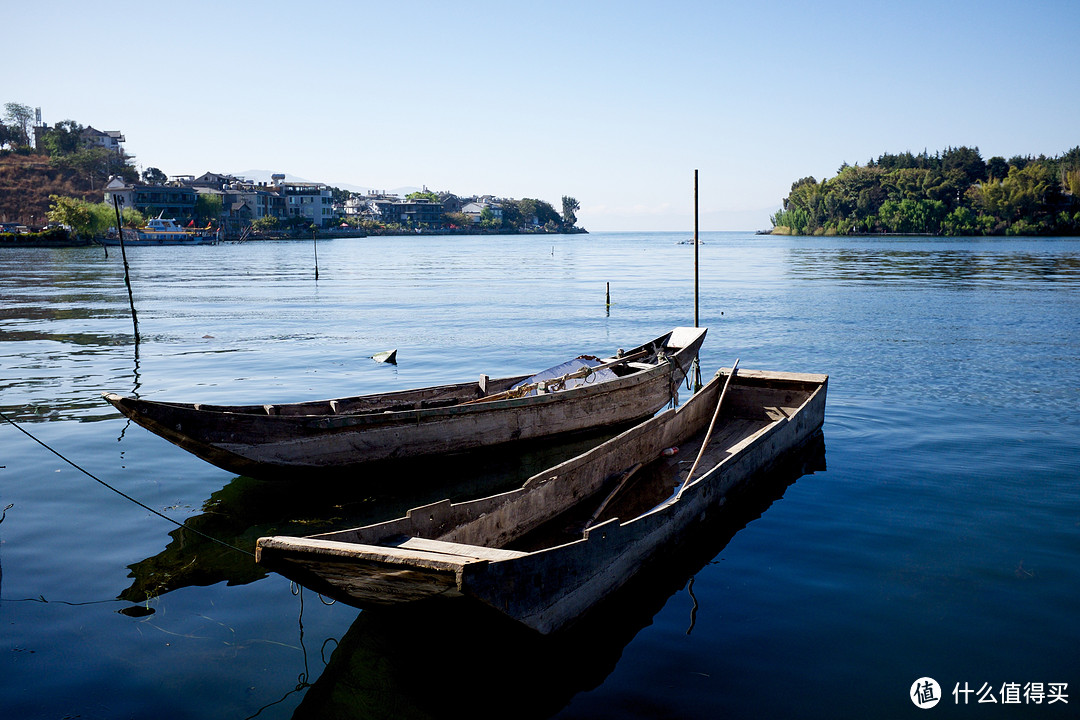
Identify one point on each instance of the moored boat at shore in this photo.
(546, 553)
(274, 440)
(165, 231)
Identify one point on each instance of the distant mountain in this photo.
(265, 176)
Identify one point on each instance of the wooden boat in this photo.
(264, 440)
(545, 553)
(376, 665)
(247, 508)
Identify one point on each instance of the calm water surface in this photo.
(942, 539)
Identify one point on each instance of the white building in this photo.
(309, 200)
(474, 209)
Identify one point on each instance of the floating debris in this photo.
(390, 356)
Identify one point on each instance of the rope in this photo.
(122, 494)
(673, 384)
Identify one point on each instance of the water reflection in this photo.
(936, 266)
(247, 509)
(421, 661)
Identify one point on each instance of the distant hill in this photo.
(952, 192)
(27, 181)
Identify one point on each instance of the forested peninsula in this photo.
(954, 192)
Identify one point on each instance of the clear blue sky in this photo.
(614, 103)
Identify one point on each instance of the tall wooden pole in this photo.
(695, 250)
(127, 273)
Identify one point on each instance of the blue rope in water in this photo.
(122, 494)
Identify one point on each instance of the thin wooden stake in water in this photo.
(127, 272)
(315, 245)
(695, 252)
(708, 435)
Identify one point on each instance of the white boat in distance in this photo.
(166, 231)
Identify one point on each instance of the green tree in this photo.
(960, 221)
(71, 212)
(795, 221)
(339, 196)
(423, 195)
(912, 216)
(85, 219)
(511, 215)
(265, 224)
(458, 219)
(296, 223)
(130, 217)
(1072, 182)
(569, 207)
(64, 138)
(545, 213)
(97, 165)
(208, 207)
(153, 176)
(21, 119)
(8, 135)
(967, 161)
(997, 168)
(526, 210)
(1019, 161)
(488, 219)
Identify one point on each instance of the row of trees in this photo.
(516, 215)
(513, 215)
(89, 219)
(953, 192)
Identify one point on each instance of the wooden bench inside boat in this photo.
(456, 550)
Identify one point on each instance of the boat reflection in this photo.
(247, 509)
(419, 661)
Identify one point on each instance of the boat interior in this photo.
(650, 479)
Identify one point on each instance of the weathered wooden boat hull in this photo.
(376, 667)
(267, 440)
(468, 549)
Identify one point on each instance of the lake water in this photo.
(940, 540)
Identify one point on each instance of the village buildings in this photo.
(240, 202)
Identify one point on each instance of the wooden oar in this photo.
(582, 372)
(708, 435)
(622, 482)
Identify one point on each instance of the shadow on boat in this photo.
(248, 508)
(409, 661)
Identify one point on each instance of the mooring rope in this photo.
(122, 494)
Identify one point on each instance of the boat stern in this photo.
(404, 570)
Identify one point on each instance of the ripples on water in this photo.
(940, 541)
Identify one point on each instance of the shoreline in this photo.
(55, 240)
